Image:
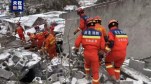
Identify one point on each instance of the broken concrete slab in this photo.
(126, 82)
(5, 74)
(147, 72)
(13, 82)
(135, 74)
(136, 64)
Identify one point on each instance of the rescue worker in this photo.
(40, 37)
(50, 45)
(99, 27)
(52, 27)
(92, 41)
(20, 31)
(118, 41)
(83, 18)
(46, 28)
(32, 38)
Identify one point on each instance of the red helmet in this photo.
(46, 33)
(113, 23)
(97, 19)
(28, 33)
(80, 11)
(90, 22)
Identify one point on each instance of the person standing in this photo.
(20, 31)
(83, 18)
(92, 41)
(117, 46)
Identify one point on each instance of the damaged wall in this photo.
(134, 18)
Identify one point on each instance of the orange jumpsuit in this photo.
(82, 24)
(40, 36)
(50, 46)
(33, 40)
(117, 55)
(20, 33)
(51, 30)
(101, 29)
(92, 42)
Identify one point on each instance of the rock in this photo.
(137, 65)
(5, 74)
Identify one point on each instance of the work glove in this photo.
(75, 33)
(101, 55)
(107, 49)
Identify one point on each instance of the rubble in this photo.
(16, 63)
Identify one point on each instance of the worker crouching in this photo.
(50, 45)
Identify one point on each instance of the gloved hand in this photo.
(75, 33)
(101, 55)
(107, 49)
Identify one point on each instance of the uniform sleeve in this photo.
(102, 43)
(110, 36)
(82, 24)
(46, 43)
(78, 41)
(111, 39)
(104, 31)
(105, 34)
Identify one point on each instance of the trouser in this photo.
(113, 62)
(92, 62)
(22, 37)
(52, 51)
(59, 46)
(40, 43)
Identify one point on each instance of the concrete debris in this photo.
(16, 63)
(135, 75)
(5, 74)
(140, 66)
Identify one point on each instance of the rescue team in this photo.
(95, 41)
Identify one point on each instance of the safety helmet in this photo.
(90, 22)
(28, 33)
(46, 33)
(113, 23)
(98, 19)
(80, 11)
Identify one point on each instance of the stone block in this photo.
(126, 82)
(147, 72)
(5, 74)
(137, 65)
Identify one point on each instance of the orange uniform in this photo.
(20, 33)
(101, 29)
(92, 42)
(118, 43)
(82, 23)
(40, 36)
(52, 30)
(50, 46)
(33, 40)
